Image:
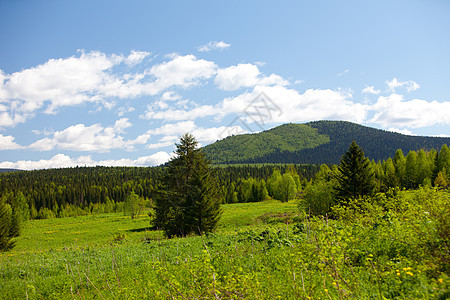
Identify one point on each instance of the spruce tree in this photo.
(356, 177)
(189, 197)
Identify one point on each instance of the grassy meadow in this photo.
(389, 248)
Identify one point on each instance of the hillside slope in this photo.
(315, 143)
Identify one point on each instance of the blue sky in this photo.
(117, 82)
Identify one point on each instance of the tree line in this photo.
(185, 188)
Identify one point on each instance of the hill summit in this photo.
(315, 143)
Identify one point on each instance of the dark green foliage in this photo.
(356, 177)
(189, 197)
(14, 213)
(7, 229)
(314, 143)
(78, 191)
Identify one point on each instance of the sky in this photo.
(116, 83)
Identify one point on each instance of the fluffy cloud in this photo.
(136, 57)
(92, 77)
(281, 104)
(181, 71)
(94, 138)
(244, 75)
(64, 161)
(213, 46)
(394, 110)
(278, 104)
(370, 90)
(410, 85)
(7, 143)
(172, 132)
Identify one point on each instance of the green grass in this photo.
(100, 230)
(388, 248)
(82, 231)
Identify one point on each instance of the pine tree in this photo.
(189, 197)
(356, 177)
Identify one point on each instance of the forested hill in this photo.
(315, 143)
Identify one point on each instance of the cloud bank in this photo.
(174, 94)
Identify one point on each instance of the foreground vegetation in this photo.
(392, 245)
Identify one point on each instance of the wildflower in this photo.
(326, 291)
(398, 273)
(410, 273)
(334, 283)
(441, 280)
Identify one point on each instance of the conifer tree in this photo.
(356, 177)
(189, 198)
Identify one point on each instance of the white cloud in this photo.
(442, 135)
(170, 96)
(64, 161)
(124, 110)
(183, 71)
(7, 143)
(244, 75)
(174, 129)
(172, 132)
(94, 138)
(394, 111)
(136, 57)
(288, 105)
(402, 131)
(213, 46)
(93, 77)
(122, 124)
(370, 90)
(409, 85)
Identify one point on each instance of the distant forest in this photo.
(83, 190)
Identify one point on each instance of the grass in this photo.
(100, 230)
(370, 254)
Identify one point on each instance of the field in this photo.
(260, 251)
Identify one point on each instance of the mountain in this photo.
(315, 143)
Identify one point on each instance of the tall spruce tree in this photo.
(356, 177)
(189, 198)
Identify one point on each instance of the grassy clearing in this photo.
(371, 254)
(100, 230)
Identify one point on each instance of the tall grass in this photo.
(377, 253)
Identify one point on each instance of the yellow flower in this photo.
(441, 280)
(410, 273)
(398, 273)
(326, 291)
